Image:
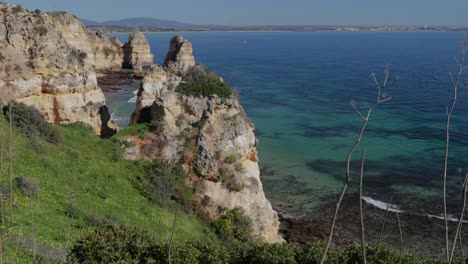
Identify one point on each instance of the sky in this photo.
(269, 12)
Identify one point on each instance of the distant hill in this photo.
(143, 22)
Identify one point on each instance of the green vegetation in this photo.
(127, 245)
(29, 121)
(200, 82)
(230, 159)
(76, 186)
(111, 244)
(17, 9)
(164, 185)
(233, 225)
(133, 130)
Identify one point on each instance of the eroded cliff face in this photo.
(137, 52)
(211, 136)
(49, 61)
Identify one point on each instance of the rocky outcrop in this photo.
(180, 56)
(137, 52)
(49, 60)
(211, 136)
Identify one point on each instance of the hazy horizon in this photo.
(272, 12)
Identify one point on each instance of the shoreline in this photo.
(278, 31)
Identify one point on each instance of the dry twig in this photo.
(381, 98)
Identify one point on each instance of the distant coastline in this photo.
(126, 30)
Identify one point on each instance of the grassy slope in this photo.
(81, 180)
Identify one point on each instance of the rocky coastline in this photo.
(52, 62)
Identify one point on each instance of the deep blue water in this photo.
(297, 89)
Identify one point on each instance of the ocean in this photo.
(297, 87)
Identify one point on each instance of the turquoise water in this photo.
(297, 89)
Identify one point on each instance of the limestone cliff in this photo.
(49, 60)
(137, 52)
(210, 135)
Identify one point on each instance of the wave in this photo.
(382, 205)
(397, 209)
(450, 218)
(133, 99)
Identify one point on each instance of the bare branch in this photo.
(353, 104)
(169, 257)
(460, 221)
(10, 162)
(387, 73)
(348, 165)
(363, 242)
(384, 220)
(401, 235)
(455, 84)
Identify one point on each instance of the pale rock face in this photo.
(48, 60)
(219, 186)
(180, 56)
(61, 99)
(103, 53)
(137, 52)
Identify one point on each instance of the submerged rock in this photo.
(137, 52)
(210, 135)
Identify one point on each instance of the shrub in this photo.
(111, 244)
(31, 122)
(41, 30)
(27, 186)
(121, 244)
(37, 12)
(262, 253)
(17, 9)
(164, 184)
(233, 225)
(78, 55)
(200, 82)
(230, 159)
(107, 51)
(200, 124)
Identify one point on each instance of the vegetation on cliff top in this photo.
(199, 81)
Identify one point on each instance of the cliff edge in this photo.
(197, 121)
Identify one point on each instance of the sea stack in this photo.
(210, 135)
(180, 56)
(137, 52)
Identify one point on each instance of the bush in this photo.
(164, 184)
(233, 225)
(31, 122)
(78, 55)
(121, 244)
(17, 9)
(262, 253)
(27, 186)
(111, 244)
(37, 12)
(230, 159)
(200, 82)
(41, 30)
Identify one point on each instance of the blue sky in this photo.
(262, 12)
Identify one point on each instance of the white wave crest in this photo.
(382, 205)
(133, 99)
